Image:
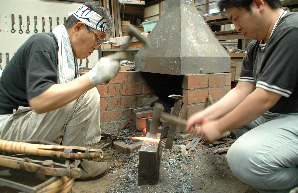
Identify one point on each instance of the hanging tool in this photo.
(28, 24)
(20, 24)
(7, 58)
(43, 24)
(35, 24)
(87, 62)
(57, 21)
(0, 61)
(50, 18)
(12, 23)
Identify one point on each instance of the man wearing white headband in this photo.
(42, 95)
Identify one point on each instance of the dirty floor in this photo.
(181, 170)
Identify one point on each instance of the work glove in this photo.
(106, 68)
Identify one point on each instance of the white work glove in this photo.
(106, 68)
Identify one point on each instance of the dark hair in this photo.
(95, 6)
(225, 4)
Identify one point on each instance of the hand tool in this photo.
(158, 114)
(133, 32)
(20, 24)
(87, 62)
(28, 24)
(35, 24)
(7, 58)
(49, 150)
(12, 23)
(173, 128)
(43, 24)
(47, 167)
(0, 60)
(50, 18)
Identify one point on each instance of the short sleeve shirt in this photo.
(274, 66)
(30, 72)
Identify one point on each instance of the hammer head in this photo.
(134, 32)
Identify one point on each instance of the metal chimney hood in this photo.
(182, 43)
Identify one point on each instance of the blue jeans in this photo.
(266, 157)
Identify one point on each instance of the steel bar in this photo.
(158, 108)
(149, 163)
(17, 186)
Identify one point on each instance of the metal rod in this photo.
(158, 109)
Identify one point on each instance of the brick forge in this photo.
(128, 90)
(125, 92)
(196, 89)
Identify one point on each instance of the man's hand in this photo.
(209, 131)
(196, 119)
(106, 68)
(200, 125)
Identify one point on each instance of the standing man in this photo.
(265, 98)
(42, 96)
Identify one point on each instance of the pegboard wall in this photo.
(21, 19)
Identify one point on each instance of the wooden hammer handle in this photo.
(173, 119)
(178, 121)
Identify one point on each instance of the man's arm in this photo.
(254, 105)
(226, 104)
(231, 100)
(58, 95)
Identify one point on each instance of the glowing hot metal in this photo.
(146, 139)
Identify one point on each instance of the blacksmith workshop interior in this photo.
(185, 56)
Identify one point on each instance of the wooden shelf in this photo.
(214, 18)
(231, 37)
(237, 55)
(118, 49)
(290, 3)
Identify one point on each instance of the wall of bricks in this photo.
(128, 90)
(196, 89)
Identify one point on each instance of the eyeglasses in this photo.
(98, 40)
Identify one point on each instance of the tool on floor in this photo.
(134, 32)
(158, 114)
(50, 150)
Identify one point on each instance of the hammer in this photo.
(158, 113)
(134, 32)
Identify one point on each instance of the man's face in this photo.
(250, 24)
(85, 43)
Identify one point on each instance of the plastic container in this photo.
(148, 26)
